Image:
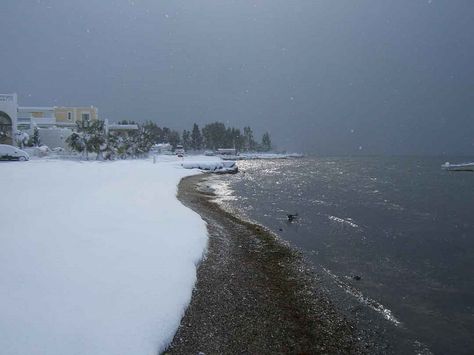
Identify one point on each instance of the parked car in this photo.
(179, 151)
(9, 152)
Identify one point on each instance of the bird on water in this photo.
(292, 217)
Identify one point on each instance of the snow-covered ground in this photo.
(95, 258)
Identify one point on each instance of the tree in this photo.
(215, 136)
(76, 142)
(166, 135)
(249, 142)
(186, 139)
(21, 139)
(155, 132)
(196, 138)
(266, 142)
(97, 139)
(174, 138)
(90, 137)
(36, 141)
(144, 140)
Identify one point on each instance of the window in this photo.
(85, 117)
(69, 116)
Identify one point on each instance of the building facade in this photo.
(41, 117)
(47, 117)
(8, 118)
(54, 124)
(68, 115)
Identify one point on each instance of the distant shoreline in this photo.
(254, 294)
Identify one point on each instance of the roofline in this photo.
(76, 107)
(32, 108)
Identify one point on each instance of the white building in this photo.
(41, 117)
(120, 129)
(55, 124)
(8, 118)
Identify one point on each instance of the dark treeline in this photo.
(212, 136)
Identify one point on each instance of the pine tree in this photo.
(186, 139)
(196, 138)
(155, 132)
(174, 139)
(166, 135)
(266, 142)
(249, 142)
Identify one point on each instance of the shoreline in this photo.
(254, 294)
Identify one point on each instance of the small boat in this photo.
(458, 167)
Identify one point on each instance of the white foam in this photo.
(347, 221)
(376, 306)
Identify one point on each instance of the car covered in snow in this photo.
(9, 152)
(179, 151)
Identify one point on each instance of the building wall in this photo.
(29, 117)
(61, 113)
(54, 137)
(9, 106)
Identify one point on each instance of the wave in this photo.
(373, 304)
(347, 221)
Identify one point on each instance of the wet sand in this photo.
(256, 295)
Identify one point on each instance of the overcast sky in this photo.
(330, 77)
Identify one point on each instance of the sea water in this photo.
(395, 234)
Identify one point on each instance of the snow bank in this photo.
(96, 258)
(214, 166)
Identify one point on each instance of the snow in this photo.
(215, 165)
(96, 257)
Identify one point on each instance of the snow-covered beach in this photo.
(96, 258)
(102, 258)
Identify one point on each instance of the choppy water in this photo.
(401, 224)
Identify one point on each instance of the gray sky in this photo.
(330, 77)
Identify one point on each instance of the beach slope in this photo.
(254, 294)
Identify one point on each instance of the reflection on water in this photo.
(402, 225)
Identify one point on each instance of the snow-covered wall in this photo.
(54, 137)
